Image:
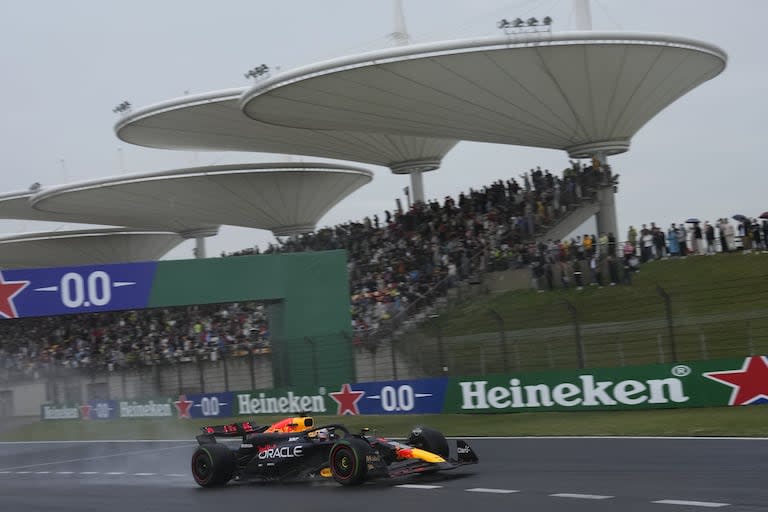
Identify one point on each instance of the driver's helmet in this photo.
(323, 434)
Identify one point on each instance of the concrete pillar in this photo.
(200, 247)
(417, 186)
(607, 221)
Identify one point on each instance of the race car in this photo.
(296, 448)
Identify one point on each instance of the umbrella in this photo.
(764, 215)
(741, 218)
(693, 220)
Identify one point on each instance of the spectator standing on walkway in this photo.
(682, 240)
(647, 245)
(632, 236)
(673, 244)
(721, 232)
(709, 234)
(697, 240)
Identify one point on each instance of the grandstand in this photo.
(586, 93)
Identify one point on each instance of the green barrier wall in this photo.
(309, 296)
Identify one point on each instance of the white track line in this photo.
(86, 459)
(113, 473)
(490, 438)
(176, 475)
(707, 504)
(492, 491)
(581, 496)
(89, 473)
(418, 486)
(65, 472)
(144, 474)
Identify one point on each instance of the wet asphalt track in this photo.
(518, 474)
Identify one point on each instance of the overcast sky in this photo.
(65, 65)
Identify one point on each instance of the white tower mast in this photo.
(582, 14)
(400, 35)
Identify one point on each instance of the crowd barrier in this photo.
(720, 382)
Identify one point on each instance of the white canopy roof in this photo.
(213, 121)
(578, 91)
(285, 198)
(84, 247)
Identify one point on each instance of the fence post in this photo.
(443, 368)
(577, 333)
(200, 371)
(252, 369)
(670, 323)
(314, 359)
(550, 357)
(502, 338)
(394, 358)
(620, 352)
(225, 367)
(661, 348)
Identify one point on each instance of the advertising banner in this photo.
(157, 408)
(281, 401)
(205, 405)
(99, 410)
(59, 412)
(696, 384)
(66, 290)
(425, 396)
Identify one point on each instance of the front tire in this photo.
(347, 461)
(430, 440)
(213, 465)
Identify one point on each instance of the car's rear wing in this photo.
(233, 429)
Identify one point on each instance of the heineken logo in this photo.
(749, 383)
(288, 403)
(477, 395)
(147, 410)
(60, 413)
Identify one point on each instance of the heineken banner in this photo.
(723, 382)
(696, 384)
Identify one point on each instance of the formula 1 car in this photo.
(295, 448)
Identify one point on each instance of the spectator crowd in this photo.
(395, 262)
(127, 339)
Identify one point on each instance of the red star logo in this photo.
(183, 405)
(8, 290)
(347, 400)
(749, 384)
(85, 412)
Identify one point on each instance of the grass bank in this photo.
(720, 421)
(717, 305)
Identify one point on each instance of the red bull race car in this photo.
(296, 448)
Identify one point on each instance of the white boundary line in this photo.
(471, 438)
(707, 504)
(492, 491)
(581, 496)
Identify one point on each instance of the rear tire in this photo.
(213, 465)
(431, 440)
(347, 461)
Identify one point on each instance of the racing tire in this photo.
(347, 461)
(430, 440)
(213, 465)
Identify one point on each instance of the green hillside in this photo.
(719, 308)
